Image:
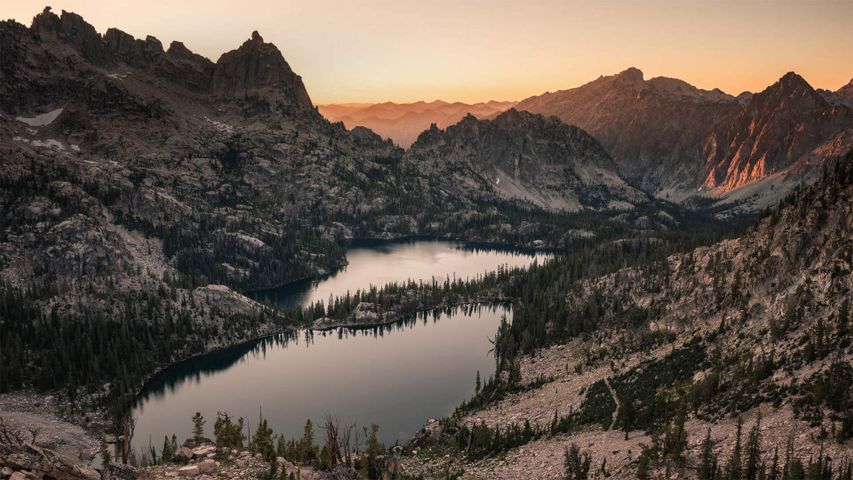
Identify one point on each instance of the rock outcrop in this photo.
(258, 68)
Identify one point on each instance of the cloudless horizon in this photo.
(405, 51)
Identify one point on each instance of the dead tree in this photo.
(347, 434)
(10, 435)
(128, 425)
(333, 444)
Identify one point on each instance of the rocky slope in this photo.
(674, 138)
(774, 130)
(757, 327)
(523, 156)
(403, 122)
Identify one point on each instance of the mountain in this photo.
(776, 128)
(847, 90)
(673, 138)
(519, 155)
(653, 129)
(403, 122)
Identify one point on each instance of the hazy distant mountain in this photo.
(403, 122)
(673, 138)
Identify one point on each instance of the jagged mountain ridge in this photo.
(674, 138)
(253, 67)
(776, 128)
(404, 122)
(649, 127)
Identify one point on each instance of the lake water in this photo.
(396, 376)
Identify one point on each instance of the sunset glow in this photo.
(380, 50)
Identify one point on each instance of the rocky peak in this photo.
(790, 86)
(72, 29)
(846, 90)
(258, 68)
(630, 76)
(179, 50)
(775, 128)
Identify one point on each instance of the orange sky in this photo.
(474, 50)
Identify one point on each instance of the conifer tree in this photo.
(708, 467)
(734, 469)
(753, 452)
(576, 464)
(198, 426)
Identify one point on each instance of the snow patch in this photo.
(41, 120)
(118, 76)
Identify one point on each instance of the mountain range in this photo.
(675, 140)
(403, 122)
(668, 137)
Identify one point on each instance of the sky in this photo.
(477, 50)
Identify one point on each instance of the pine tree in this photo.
(753, 452)
(307, 452)
(708, 468)
(843, 327)
(734, 469)
(576, 464)
(262, 441)
(643, 464)
(106, 458)
(198, 426)
(166, 454)
(675, 437)
(773, 474)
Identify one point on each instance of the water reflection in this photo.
(380, 263)
(197, 368)
(396, 375)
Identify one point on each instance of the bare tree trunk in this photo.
(347, 434)
(127, 428)
(333, 445)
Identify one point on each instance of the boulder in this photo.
(203, 451)
(206, 466)
(183, 455)
(188, 471)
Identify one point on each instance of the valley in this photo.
(204, 274)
